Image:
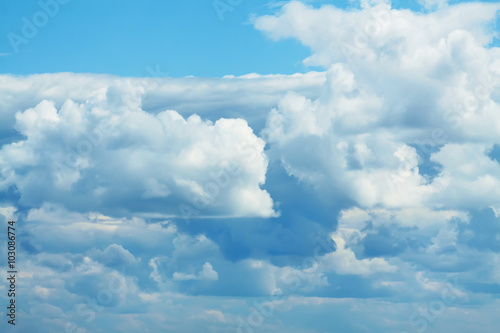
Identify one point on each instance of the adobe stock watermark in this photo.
(453, 117)
(424, 316)
(223, 6)
(294, 278)
(83, 149)
(95, 137)
(274, 127)
(378, 19)
(456, 115)
(156, 73)
(104, 297)
(31, 26)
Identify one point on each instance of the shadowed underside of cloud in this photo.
(311, 201)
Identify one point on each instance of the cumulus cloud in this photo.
(400, 86)
(248, 96)
(206, 273)
(107, 150)
(403, 128)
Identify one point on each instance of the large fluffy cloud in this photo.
(108, 154)
(250, 95)
(400, 86)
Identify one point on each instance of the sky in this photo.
(130, 39)
(251, 166)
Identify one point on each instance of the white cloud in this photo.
(9, 212)
(343, 261)
(375, 31)
(213, 98)
(396, 79)
(89, 155)
(470, 179)
(433, 4)
(214, 315)
(206, 273)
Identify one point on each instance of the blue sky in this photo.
(125, 38)
(289, 166)
(130, 37)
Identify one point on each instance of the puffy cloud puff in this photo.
(109, 155)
